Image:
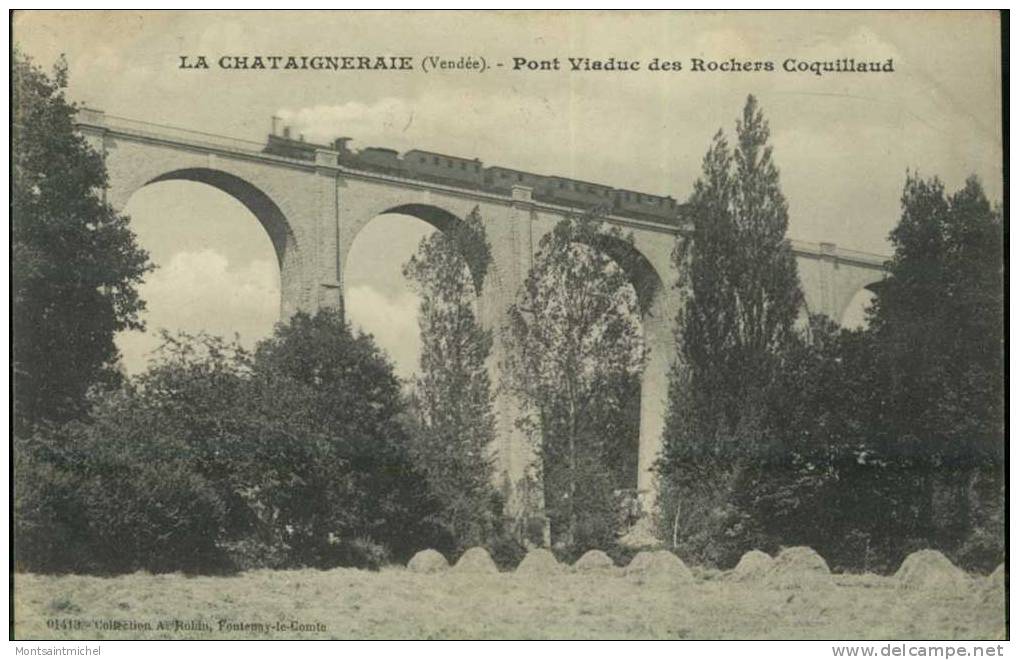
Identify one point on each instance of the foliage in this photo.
(938, 330)
(50, 531)
(741, 292)
(360, 483)
(575, 337)
(76, 265)
(293, 456)
(454, 423)
(868, 444)
(113, 495)
(939, 321)
(739, 279)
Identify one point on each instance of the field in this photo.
(398, 603)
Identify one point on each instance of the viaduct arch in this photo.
(265, 211)
(313, 210)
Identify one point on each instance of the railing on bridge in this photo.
(840, 253)
(857, 255)
(166, 132)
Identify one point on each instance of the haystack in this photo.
(640, 562)
(993, 591)
(477, 561)
(539, 562)
(753, 566)
(659, 566)
(929, 569)
(799, 568)
(428, 561)
(594, 561)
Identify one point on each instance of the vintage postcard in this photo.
(508, 325)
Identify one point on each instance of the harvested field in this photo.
(398, 603)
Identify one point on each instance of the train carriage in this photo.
(442, 168)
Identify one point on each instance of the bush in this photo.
(981, 551)
(250, 553)
(621, 555)
(361, 552)
(215, 459)
(702, 516)
(89, 499)
(50, 528)
(507, 551)
(160, 518)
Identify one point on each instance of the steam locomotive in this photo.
(471, 173)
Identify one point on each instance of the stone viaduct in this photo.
(312, 211)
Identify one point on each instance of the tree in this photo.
(738, 276)
(316, 381)
(293, 456)
(455, 423)
(891, 438)
(575, 333)
(76, 265)
(139, 485)
(938, 325)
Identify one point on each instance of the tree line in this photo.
(865, 444)
(307, 451)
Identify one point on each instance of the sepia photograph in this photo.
(503, 325)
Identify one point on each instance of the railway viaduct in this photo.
(312, 211)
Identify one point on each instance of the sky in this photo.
(843, 143)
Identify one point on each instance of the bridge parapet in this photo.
(97, 120)
(839, 254)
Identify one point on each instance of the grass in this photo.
(396, 603)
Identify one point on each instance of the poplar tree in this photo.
(577, 352)
(452, 391)
(742, 297)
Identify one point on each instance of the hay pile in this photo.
(539, 562)
(993, 591)
(799, 568)
(929, 569)
(998, 578)
(753, 566)
(594, 561)
(476, 561)
(428, 561)
(640, 562)
(707, 573)
(659, 566)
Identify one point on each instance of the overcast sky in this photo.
(843, 142)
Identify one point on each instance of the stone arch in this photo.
(656, 323)
(853, 304)
(268, 214)
(639, 271)
(478, 260)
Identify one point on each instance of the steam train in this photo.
(471, 173)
